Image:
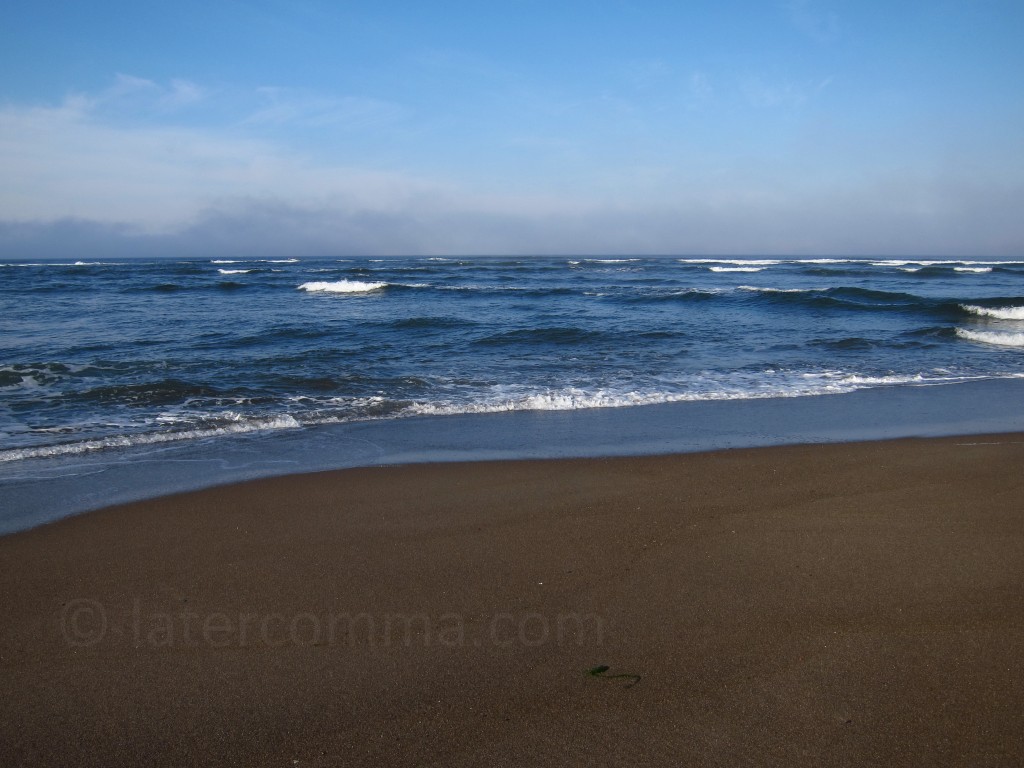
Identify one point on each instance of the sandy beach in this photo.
(834, 605)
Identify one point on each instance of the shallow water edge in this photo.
(37, 491)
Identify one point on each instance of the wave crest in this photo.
(341, 286)
(997, 313)
(1002, 339)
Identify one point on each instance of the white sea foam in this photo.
(153, 438)
(999, 338)
(791, 385)
(759, 289)
(998, 313)
(224, 261)
(342, 286)
(281, 261)
(909, 262)
(234, 271)
(972, 269)
(738, 262)
(736, 269)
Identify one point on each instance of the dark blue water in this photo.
(97, 356)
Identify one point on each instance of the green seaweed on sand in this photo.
(599, 671)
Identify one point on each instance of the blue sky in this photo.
(300, 128)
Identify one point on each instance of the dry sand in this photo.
(854, 605)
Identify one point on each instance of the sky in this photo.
(307, 127)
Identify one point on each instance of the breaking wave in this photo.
(342, 286)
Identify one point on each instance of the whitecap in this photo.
(234, 271)
(758, 289)
(342, 286)
(735, 262)
(998, 338)
(736, 269)
(997, 313)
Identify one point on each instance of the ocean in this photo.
(101, 358)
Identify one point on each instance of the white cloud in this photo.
(73, 160)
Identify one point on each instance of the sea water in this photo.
(100, 358)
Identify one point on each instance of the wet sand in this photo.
(840, 605)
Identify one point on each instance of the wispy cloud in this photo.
(810, 18)
(281, 106)
(700, 86)
(139, 94)
(760, 92)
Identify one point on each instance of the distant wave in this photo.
(998, 313)
(342, 286)
(61, 264)
(736, 269)
(758, 289)
(737, 262)
(235, 271)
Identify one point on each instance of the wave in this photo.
(736, 269)
(847, 297)
(429, 323)
(998, 338)
(760, 289)
(235, 271)
(870, 299)
(672, 295)
(151, 438)
(573, 398)
(979, 270)
(342, 286)
(738, 262)
(554, 335)
(998, 313)
(61, 264)
(333, 410)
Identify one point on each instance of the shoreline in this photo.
(845, 604)
(38, 491)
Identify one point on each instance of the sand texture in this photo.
(840, 605)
